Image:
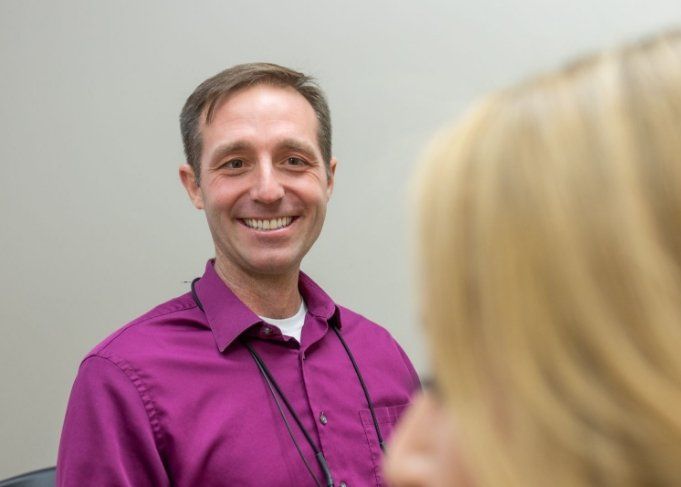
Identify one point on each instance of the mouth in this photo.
(268, 225)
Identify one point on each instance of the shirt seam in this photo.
(143, 393)
(143, 320)
(371, 451)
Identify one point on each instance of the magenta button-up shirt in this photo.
(174, 398)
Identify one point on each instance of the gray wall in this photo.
(95, 227)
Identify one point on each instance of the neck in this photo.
(272, 296)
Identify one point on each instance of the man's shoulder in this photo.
(149, 329)
(368, 339)
(354, 322)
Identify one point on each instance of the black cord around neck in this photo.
(271, 380)
(281, 412)
(195, 296)
(272, 383)
(379, 436)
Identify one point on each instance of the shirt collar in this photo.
(228, 317)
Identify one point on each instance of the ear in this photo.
(191, 185)
(330, 178)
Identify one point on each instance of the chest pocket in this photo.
(386, 416)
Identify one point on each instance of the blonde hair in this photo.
(550, 247)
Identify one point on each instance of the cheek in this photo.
(312, 186)
(424, 450)
(447, 460)
(411, 457)
(221, 201)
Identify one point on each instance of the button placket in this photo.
(317, 402)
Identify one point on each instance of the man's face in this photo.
(263, 183)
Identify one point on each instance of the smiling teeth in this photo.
(274, 224)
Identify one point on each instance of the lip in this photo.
(278, 231)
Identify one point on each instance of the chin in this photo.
(274, 267)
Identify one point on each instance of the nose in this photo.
(267, 187)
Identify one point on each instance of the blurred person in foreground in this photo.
(550, 238)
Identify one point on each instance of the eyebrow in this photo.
(224, 149)
(297, 145)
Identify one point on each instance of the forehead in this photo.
(261, 113)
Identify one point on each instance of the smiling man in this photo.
(255, 376)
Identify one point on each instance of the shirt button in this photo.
(322, 418)
(266, 330)
(342, 484)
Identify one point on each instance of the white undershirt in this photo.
(292, 326)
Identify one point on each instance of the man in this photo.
(255, 377)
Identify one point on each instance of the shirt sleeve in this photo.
(107, 438)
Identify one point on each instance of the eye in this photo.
(430, 385)
(234, 164)
(295, 161)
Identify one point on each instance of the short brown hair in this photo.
(209, 93)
